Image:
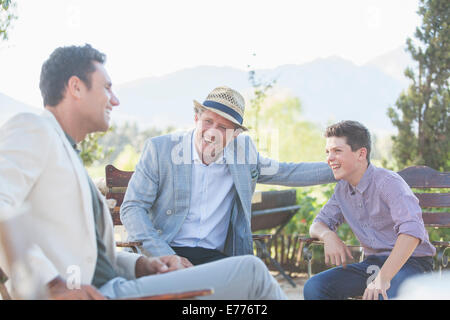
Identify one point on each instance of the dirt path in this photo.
(292, 293)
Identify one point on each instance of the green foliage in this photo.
(274, 118)
(311, 200)
(120, 145)
(127, 134)
(309, 207)
(127, 159)
(7, 15)
(91, 150)
(260, 90)
(422, 110)
(381, 154)
(436, 234)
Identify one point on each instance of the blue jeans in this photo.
(339, 283)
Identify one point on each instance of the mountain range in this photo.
(330, 89)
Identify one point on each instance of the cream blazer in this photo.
(39, 167)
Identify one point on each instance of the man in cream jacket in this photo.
(69, 224)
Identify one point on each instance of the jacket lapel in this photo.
(182, 167)
(238, 171)
(81, 175)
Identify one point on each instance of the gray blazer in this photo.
(158, 195)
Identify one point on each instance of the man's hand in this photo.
(402, 251)
(175, 262)
(147, 266)
(336, 252)
(57, 290)
(375, 288)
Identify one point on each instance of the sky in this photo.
(155, 37)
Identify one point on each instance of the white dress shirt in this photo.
(212, 194)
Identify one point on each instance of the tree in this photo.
(125, 134)
(282, 133)
(7, 8)
(422, 119)
(260, 92)
(91, 150)
(127, 159)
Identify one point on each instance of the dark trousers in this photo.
(199, 255)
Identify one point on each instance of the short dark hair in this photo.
(64, 63)
(357, 136)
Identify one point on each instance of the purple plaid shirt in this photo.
(381, 207)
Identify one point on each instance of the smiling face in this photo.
(212, 135)
(346, 164)
(98, 101)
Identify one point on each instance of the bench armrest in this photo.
(130, 244)
(261, 236)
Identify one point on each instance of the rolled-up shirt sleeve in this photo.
(404, 208)
(330, 214)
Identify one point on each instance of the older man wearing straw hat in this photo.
(191, 193)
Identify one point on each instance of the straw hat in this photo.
(227, 103)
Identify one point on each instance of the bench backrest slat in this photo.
(436, 219)
(433, 200)
(423, 177)
(116, 183)
(272, 218)
(275, 199)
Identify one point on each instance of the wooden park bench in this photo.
(418, 177)
(274, 211)
(270, 209)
